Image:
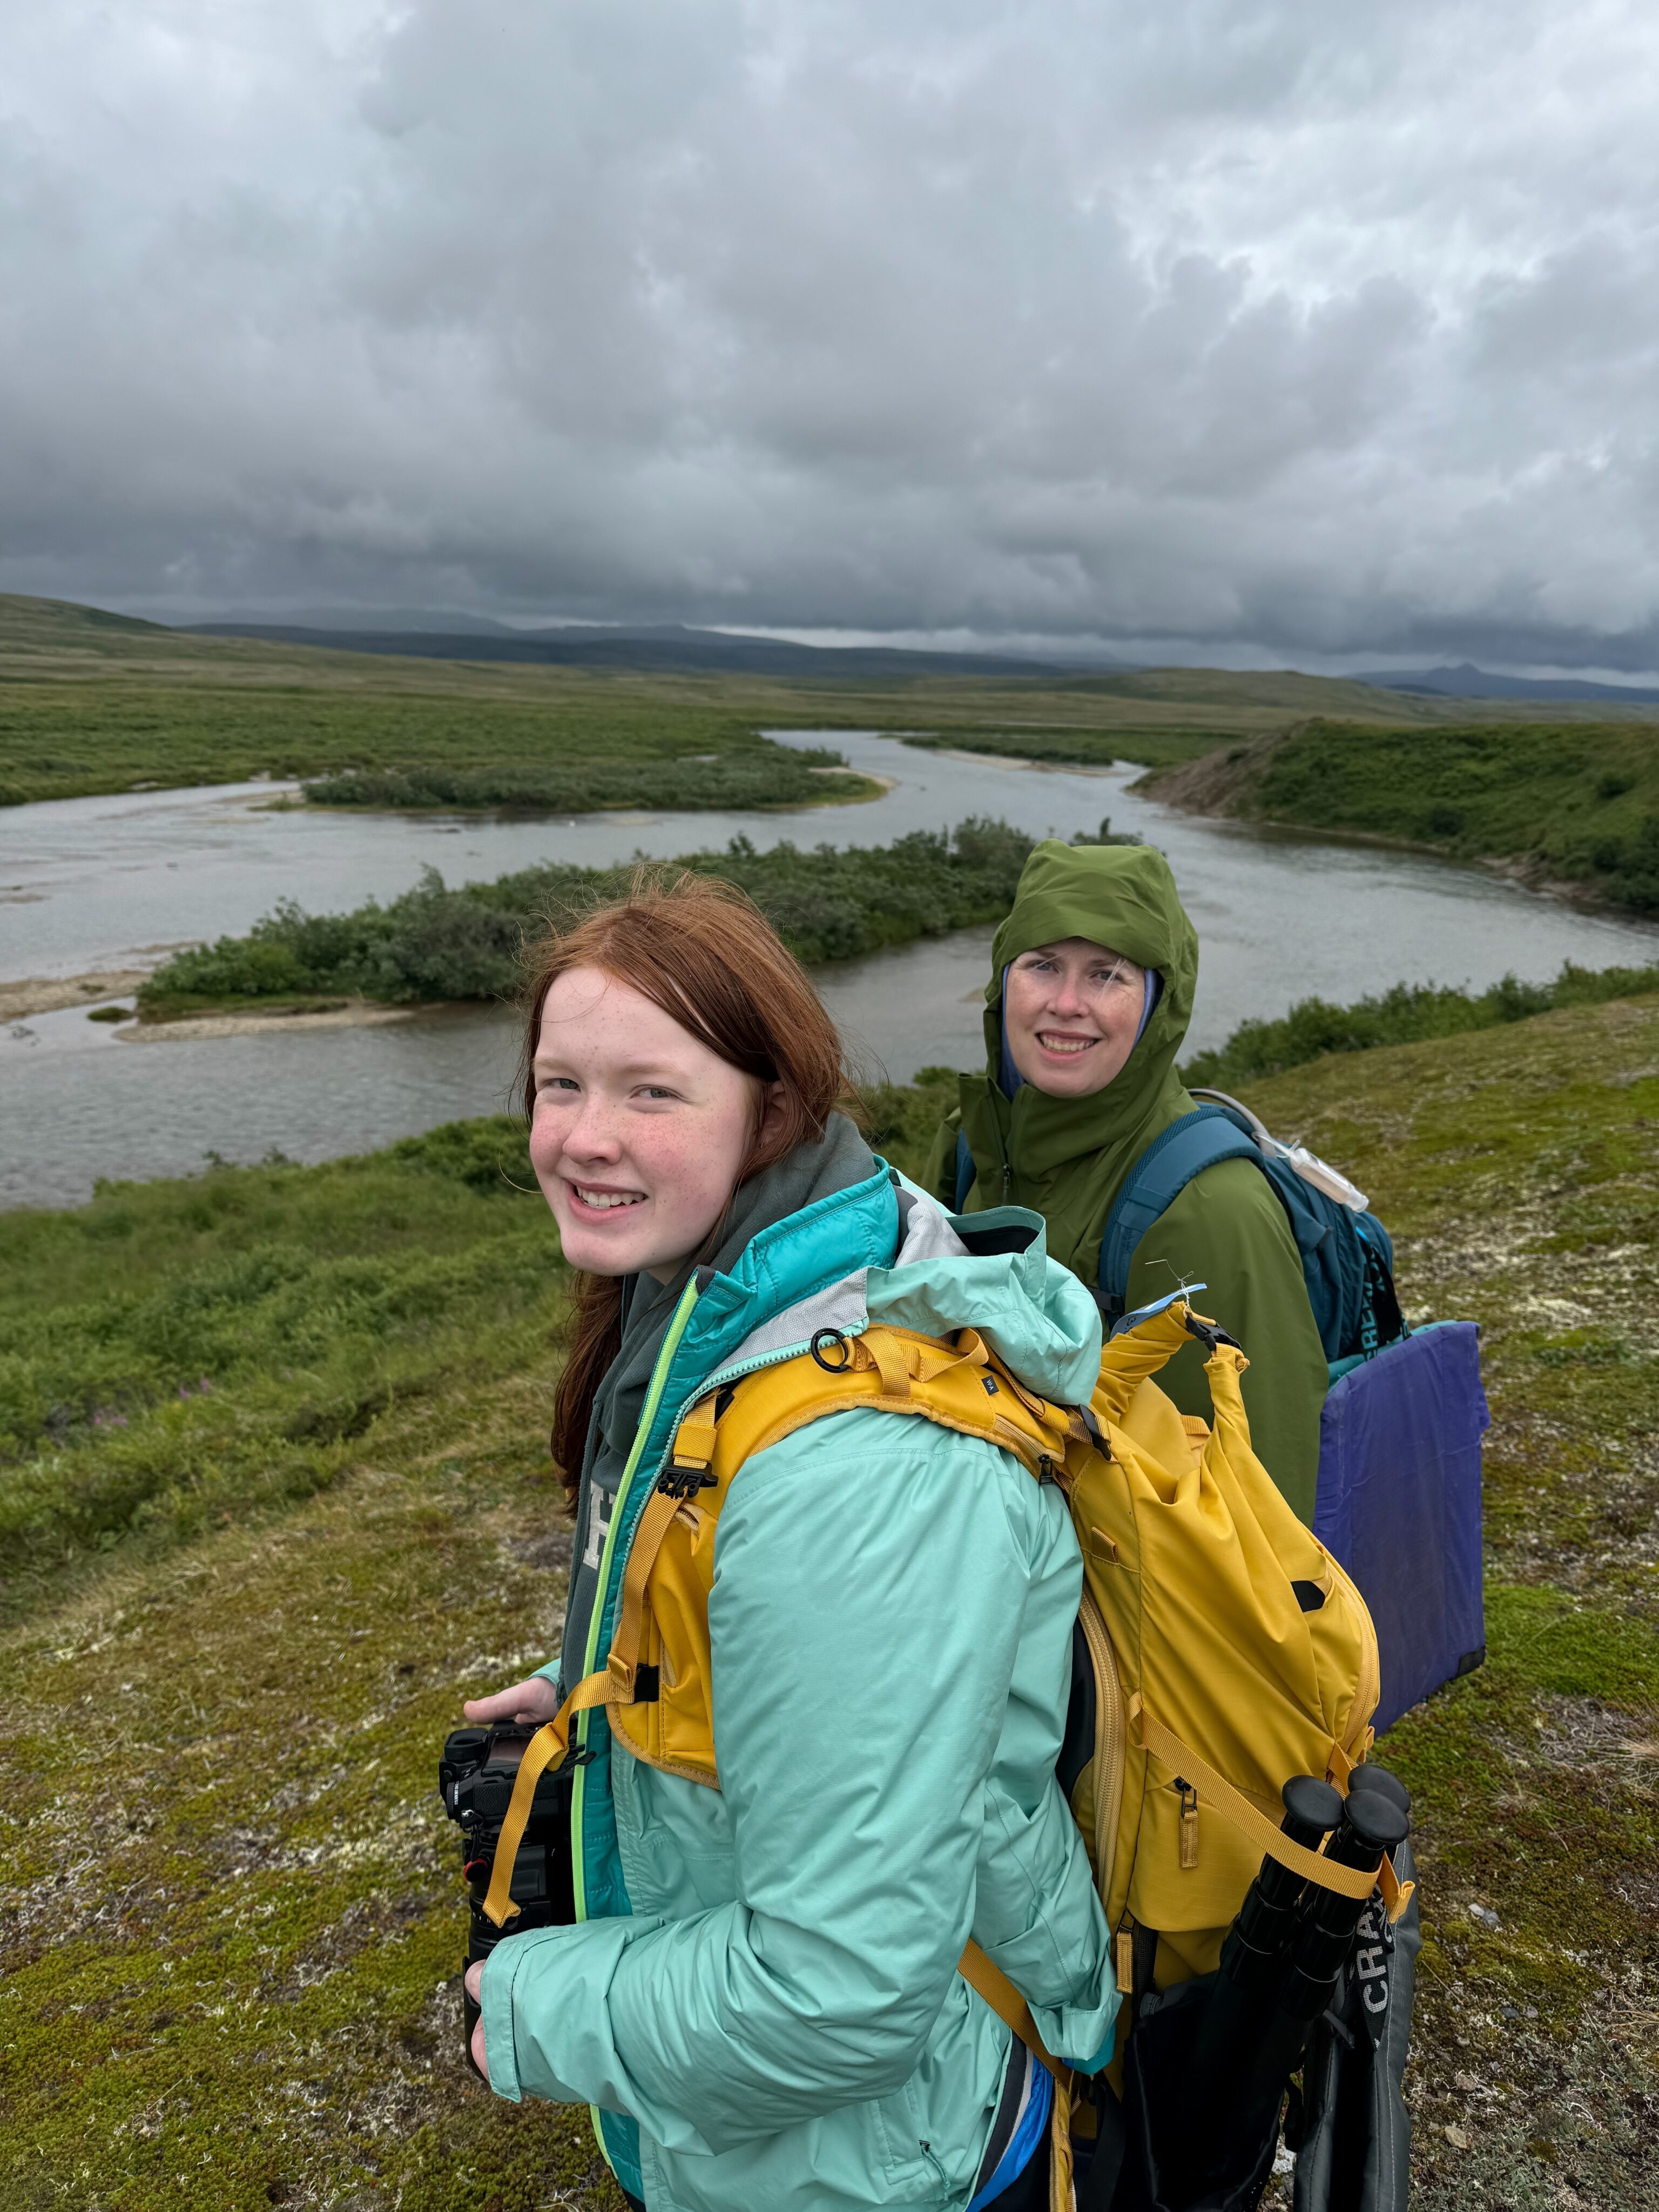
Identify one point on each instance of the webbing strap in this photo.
(548, 1743)
(1216, 1791)
(888, 1353)
(694, 1440)
(988, 1980)
(659, 1510)
(1396, 1894)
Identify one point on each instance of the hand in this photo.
(474, 1990)
(537, 1699)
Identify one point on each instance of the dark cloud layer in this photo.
(1318, 329)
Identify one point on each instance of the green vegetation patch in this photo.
(249, 1993)
(176, 1354)
(571, 751)
(760, 776)
(91, 702)
(1576, 801)
(1072, 747)
(1405, 1015)
(435, 944)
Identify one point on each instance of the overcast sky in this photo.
(1293, 330)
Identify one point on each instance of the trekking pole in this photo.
(1252, 1965)
(1372, 1823)
(1361, 2074)
(1386, 1785)
(1266, 1920)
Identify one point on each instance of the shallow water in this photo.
(90, 882)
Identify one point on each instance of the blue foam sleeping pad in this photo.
(1398, 1504)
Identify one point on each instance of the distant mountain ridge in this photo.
(1466, 681)
(662, 647)
(32, 625)
(442, 622)
(433, 633)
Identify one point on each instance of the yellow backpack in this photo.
(1227, 1650)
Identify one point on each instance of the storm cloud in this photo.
(1315, 329)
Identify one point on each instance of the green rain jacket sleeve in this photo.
(938, 1177)
(1228, 1231)
(866, 1622)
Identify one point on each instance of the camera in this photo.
(476, 1777)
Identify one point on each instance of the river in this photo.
(109, 882)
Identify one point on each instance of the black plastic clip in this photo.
(677, 1481)
(1208, 1333)
(828, 1336)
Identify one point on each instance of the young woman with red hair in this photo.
(760, 1996)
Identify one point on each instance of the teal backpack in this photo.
(1347, 1255)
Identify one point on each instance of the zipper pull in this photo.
(1189, 1851)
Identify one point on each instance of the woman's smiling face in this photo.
(1072, 1012)
(640, 1131)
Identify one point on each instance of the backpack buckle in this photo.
(683, 1482)
(1209, 1334)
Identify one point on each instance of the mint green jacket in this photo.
(760, 1999)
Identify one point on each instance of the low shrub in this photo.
(763, 775)
(1405, 1015)
(434, 943)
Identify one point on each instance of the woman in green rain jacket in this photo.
(1092, 987)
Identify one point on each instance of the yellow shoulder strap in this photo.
(960, 1384)
(988, 1980)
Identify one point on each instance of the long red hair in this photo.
(703, 951)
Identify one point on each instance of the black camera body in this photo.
(476, 1776)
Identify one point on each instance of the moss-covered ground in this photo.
(246, 1615)
(1519, 1168)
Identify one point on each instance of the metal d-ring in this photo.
(832, 1336)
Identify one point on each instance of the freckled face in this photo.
(640, 1131)
(1072, 1011)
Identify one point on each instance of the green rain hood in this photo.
(1068, 1159)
